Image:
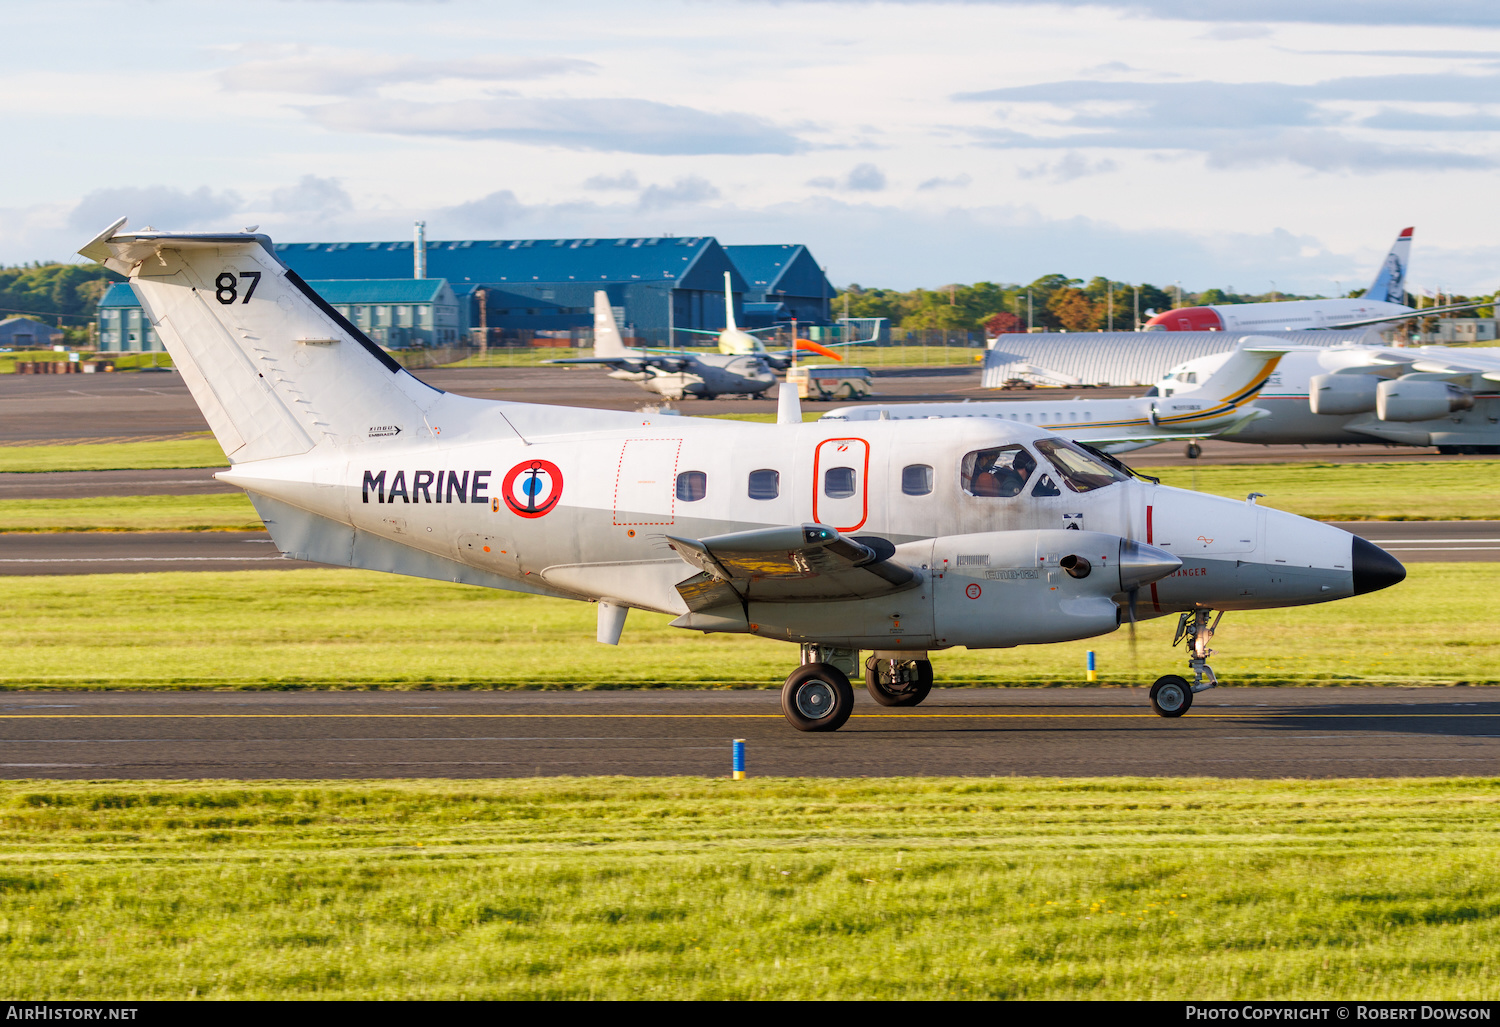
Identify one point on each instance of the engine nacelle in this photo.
(1419, 399)
(1342, 393)
(986, 590)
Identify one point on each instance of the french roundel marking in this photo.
(973, 591)
(532, 488)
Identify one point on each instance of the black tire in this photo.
(810, 689)
(1171, 696)
(907, 693)
(1194, 451)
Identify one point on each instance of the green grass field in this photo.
(115, 456)
(713, 889)
(130, 513)
(358, 629)
(1453, 490)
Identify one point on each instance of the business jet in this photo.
(1384, 301)
(1421, 396)
(736, 341)
(1223, 405)
(673, 374)
(896, 540)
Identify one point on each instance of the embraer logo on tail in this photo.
(532, 488)
(427, 487)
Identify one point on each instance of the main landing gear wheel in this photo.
(817, 697)
(1194, 451)
(898, 682)
(1171, 696)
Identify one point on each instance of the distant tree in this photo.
(72, 290)
(1003, 323)
(1073, 310)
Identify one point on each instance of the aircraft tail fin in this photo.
(607, 341)
(275, 369)
(729, 324)
(1390, 280)
(1240, 378)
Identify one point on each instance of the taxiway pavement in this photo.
(1230, 732)
(57, 409)
(103, 552)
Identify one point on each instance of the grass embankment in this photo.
(712, 889)
(115, 456)
(122, 361)
(130, 513)
(357, 629)
(1419, 491)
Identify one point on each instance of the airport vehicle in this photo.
(1384, 301)
(673, 374)
(830, 382)
(896, 539)
(1224, 404)
(1423, 396)
(736, 341)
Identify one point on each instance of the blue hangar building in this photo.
(655, 284)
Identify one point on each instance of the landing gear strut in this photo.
(896, 682)
(1172, 696)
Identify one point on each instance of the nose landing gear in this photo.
(1171, 695)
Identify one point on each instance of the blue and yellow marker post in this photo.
(1093, 674)
(739, 759)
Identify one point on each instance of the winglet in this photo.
(607, 341)
(788, 406)
(729, 325)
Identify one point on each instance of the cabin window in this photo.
(765, 484)
(997, 473)
(1081, 471)
(916, 479)
(692, 486)
(1045, 486)
(838, 482)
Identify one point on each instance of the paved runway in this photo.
(101, 552)
(58, 409)
(118, 552)
(1233, 732)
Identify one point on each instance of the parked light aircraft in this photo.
(897, 539)
(737, 341)
(1422, 396)
(1384, 301)
(674, 374)
(1224, 404)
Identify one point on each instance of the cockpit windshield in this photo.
(997, 473)
(1081, 471)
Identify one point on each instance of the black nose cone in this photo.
(1374, 568)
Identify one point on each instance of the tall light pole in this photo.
(1137, 289)
(1109, 301)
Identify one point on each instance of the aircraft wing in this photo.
(632, 362)
(1425, 312)
(799, 563)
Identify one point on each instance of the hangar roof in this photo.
(785, 269)
(380, 290)
(692, 262)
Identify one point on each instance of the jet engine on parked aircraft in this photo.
(1419, 399)
(1342, 393)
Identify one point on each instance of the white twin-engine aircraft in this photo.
(1224, 404)
(893, 540)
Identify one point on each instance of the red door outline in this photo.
(864, 483)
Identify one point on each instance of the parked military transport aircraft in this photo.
(1385, 300)
(1224, 404)
(738, 341)
(896, 539)
(674, 374)
(1423, 396)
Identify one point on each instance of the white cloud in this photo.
(691, 189)
(608, 125)
(866, 178)
(160, 206)
(347, 73)
(1069, 166)
(312, 195)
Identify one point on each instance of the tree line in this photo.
(1054, 302)
(61, 295)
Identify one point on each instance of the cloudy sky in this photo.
(917, 143)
